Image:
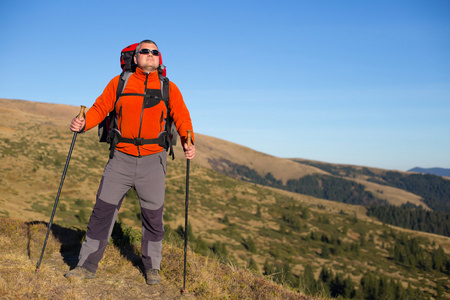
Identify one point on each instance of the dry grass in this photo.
(119, 275)
(392, 195)
(20, 250)
(208, 279)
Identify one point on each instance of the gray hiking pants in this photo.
(147, 175)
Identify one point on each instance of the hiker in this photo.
(141, 117)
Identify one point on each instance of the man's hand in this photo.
(77, 124)
(189, 152)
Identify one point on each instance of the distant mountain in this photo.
(433, 171)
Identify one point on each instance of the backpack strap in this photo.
(169, 121)
(112, 138)
(140, 141)
(123, 80)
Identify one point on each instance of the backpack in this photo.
(107, 129)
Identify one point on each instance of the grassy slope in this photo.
(284, 169)
(119, 275)
(34, 143)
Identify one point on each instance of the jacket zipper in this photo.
(142, 111)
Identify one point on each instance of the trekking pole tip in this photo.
(183, 292)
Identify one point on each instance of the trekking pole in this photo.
(59, 190)
(186, 213)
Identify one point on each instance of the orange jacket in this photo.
(130, 112)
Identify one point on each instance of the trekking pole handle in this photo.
(81, 111)
(189, 138)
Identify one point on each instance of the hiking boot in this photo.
(80, 272)
(152, 276)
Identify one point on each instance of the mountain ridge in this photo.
(434, 171)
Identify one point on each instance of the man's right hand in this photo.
(77, 124)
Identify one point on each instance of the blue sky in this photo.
(352, 82)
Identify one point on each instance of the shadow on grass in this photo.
(72, 238)
(126, 239)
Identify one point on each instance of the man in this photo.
(141, 116)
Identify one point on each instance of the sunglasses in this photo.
(148, 51)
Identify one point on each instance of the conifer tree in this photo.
(307, 282)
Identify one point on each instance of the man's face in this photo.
(147, 62)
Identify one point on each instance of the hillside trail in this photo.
(110, 284)
(119, 275)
